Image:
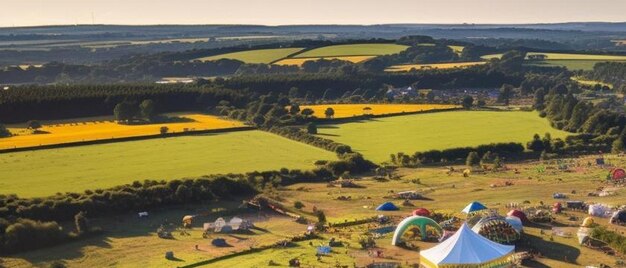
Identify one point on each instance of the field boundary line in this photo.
(366, 117)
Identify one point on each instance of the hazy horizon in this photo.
(21, 13)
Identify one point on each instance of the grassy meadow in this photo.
(449, 65)
(102, 128)
(379, 137)
(568, 60)
(74, 169)
(265, 56)
(352, 50)
(352, 110)
(300, 61)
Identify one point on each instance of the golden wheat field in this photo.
(351, 110)
(300, 61)
(408, 67)
(89, 129)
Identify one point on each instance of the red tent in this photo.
(556, 208)
(421, 212)
(518, 213)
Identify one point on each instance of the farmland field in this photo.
(351, 110)
(378, 138)
(255, 56)
(300, 61)
(88, 129)
(353, 50)
(567, 60)
(450, 65)
(45, 172)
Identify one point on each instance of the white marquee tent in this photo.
(467, 249)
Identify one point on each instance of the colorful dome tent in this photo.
(421, 212)
(387, 206)
(423, 224)
(519, 214)
(618, 217)
(473, 207)
(587, 222)
(618, 174)
(467, 249)
(497, 229)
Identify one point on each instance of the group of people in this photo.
(499, 231)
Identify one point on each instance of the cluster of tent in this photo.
(474, 244)
(221, 226)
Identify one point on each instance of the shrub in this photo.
(298, 205)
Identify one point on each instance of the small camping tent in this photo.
(187, 220)
(387, 206)
(618, 217)
(467, 249)
(519, 214)
(324, 250)
(421, 212)
(618, 174)
(587, 222)
(425, 228)
(473, 207)
(598, 210)
(219, 242)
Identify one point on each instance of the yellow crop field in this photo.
(408, 67)
(351, 110)
(94, 129)
(300, 61)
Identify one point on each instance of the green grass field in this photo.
(46, 172)
(585, 65)
(379, 137)
(255, 56)
(567, 60)
(353, 50)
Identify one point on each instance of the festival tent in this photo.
(515, 222)
(473, 207)
(587, 222)
(419, 222)
(618, 217)
(618, 174)
(219, 242)
(421, 212)
(583, 234)
(598, 210)
(467, 249)
(388, 206)
(519, 214)
(497, 229)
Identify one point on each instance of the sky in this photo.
(283, 12)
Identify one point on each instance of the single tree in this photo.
(367, 110)
(472, 159)
(163, 130)
(467, 102)
(4, 132)
(307, 112)
(81, 222)
(330, 112)
(311, 128)
(506, 92)
(124, 111)
(34, 124)
(147, 109)
(294, 109)
(536, 145)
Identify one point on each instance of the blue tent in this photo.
(388, 206)
(323, 250)
(472, 207)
